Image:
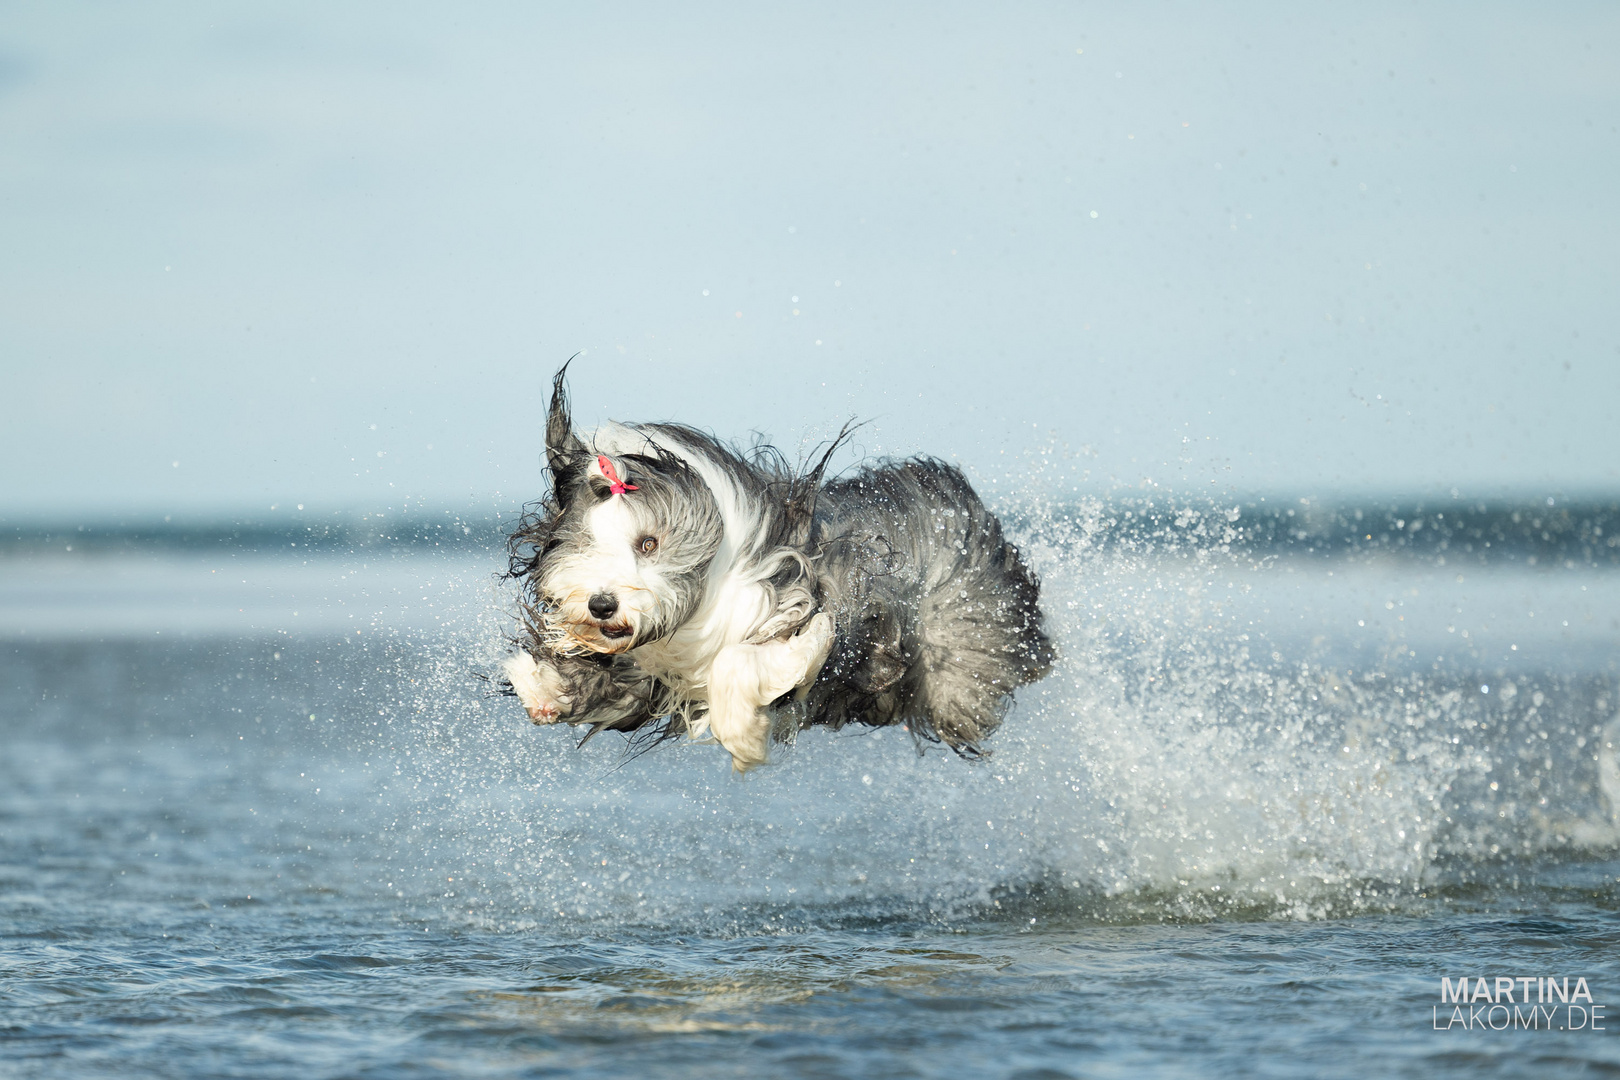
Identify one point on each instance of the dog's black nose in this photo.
(603, 606)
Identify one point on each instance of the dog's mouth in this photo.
(614, 637)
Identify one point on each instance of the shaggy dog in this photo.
(674, 586)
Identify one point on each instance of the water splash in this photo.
(1196, 754)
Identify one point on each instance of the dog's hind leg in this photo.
(746, 678)
(980, 640)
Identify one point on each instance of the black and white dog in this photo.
(672, 585)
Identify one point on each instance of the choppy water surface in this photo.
(258, 817)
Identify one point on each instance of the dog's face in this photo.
(629, 557)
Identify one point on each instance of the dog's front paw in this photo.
(751, 747)
(538, 687)
(813, 643)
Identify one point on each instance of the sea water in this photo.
(262, 814)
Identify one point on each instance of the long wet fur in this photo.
(937, 619)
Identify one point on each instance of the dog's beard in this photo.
(572, 637)
(570, 631)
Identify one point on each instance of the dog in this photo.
(672, 585)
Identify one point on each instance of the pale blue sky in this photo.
(1373, 248)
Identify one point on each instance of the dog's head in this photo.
(630, 537)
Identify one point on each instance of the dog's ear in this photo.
(564, 452)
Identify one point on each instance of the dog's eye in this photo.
(647, 545)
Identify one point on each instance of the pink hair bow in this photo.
(617, 486)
